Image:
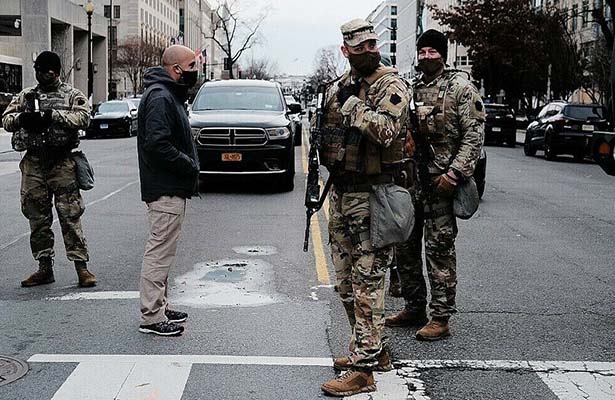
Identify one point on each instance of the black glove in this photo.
(345, 92)
(31, 121)
(47, 118)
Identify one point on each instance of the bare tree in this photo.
(134, 56)
(261, 68)
(59, 45)
(232, 33)
(329, 65)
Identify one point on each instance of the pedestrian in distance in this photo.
(169, 174)
(45, 121)
(450, 118)
(364, 115)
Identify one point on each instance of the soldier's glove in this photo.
(31, 121)
(47, 118)
(410, 146)
(346, 92)
(446, 184)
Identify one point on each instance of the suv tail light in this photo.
(604, 149)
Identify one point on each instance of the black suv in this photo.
(500, 125)
(563, 128)
(242, 127)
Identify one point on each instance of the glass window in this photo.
(111, 107)
(584, 112)
(239, 98)
(393, 34)
(393, 48)
(393, 10)
(107, 11)
(116, 11)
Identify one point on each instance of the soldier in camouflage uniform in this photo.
(45, 120)
(451, 119)
(364, 132)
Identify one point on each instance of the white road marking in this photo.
(100, 386)
(154, 381)
(8, 167)
(580, 385)
(392, 385)
(55, 221)
(111, 295)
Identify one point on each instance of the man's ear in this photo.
(345, 51)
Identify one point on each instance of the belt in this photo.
(354, 184)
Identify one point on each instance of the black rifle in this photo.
(314, 199)
(423, 156)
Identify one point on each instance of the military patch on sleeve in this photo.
(81, 102)
(395, 99)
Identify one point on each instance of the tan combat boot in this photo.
(436, 329)
(384, 363)
(350, 383)
(43, 276)
(406, 318)
(86, 278)
(395, 285)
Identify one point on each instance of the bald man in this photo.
(169, 172)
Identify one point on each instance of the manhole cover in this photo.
(11, 369)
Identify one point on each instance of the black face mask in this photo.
(188, 78)
(430, 66)
(46, 78)
(366, 63)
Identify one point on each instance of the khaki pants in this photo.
(165, 217)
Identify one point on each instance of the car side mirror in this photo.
(294, 108)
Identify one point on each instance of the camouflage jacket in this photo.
(378, 113)
(451, 115)
(70, 112)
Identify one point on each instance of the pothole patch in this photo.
(11, 369)
(255, 250)
(225, 283)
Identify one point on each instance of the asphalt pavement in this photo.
(535, 294)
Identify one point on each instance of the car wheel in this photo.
(512, 141)
(579, 155)
(286, 182)
(550, 153)
(528, 149)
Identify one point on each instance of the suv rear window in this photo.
(239, 98)
(584, 112)
(498, 110)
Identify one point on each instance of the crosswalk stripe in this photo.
(580, 385)
(100, 386)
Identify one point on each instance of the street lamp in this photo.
(89, 9)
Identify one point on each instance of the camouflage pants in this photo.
(360, 271)
(437, 223)
(40, 186)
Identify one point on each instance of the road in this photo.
(535, 294)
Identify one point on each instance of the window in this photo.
(116, 11)
(573, 21)
(393, 10)
(107, 11)
(393, 48)
(394, 34)
(393, 60)
(394, 23)
(585, 13)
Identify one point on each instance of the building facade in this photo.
(384, 19)
(60, 26)
(408, 22)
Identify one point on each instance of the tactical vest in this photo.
(56, 137)
(430, 110)
(348, 148)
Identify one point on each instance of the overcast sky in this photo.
(295, 29)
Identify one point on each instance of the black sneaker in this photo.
(176, 316)
(162, 329)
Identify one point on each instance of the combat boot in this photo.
(406, 318)
(384, 363)
(395, 285)
(43, 276)
(436, 329)
(350, 383)
(86, 278)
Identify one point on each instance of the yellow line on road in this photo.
(322, 272)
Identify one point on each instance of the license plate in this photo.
(104, 126)
(588, 128)
(231, 157)
(495, 129)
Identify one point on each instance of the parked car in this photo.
(603, 150)
(243, 127)
(112, 119)
(296, 118)
(135, 101)
(564, 128)
(500, 124)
